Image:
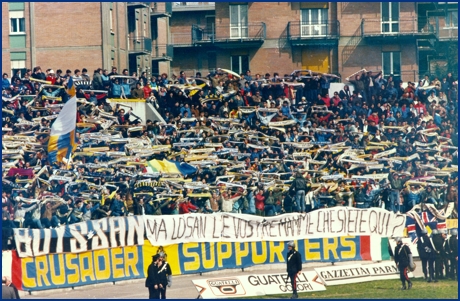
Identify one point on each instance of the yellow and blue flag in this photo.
(62, 138)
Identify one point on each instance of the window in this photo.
(314, 22)
(18, 65)
(391, 63)
(111, 20)
(239, 63)
(238, 21)
(17, 22)
(210, 27)
(390, 17)
(452, 19)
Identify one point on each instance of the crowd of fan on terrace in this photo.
(252, 139)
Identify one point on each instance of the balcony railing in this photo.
(401, 27)
(193, 6)
(139, 45)
(446, 33)
(163, 52)
(229, 33)
(160, 9)
(298, 30)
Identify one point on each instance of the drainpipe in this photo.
(32, 35)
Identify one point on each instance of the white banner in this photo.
(220, 227)
(331, 222)
(256, 285)
(335, 275)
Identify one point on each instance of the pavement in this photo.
(182, 286)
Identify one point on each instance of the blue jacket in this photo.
(116, 89)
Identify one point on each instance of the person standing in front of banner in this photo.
(164, 274)
(437, 242)
(431, 255)
(299, 185)
(453, 254)
(423, 254)
(294, 267)
(403, 259)
(152, 282)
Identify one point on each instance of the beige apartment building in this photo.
(406, 39)
(69, 35)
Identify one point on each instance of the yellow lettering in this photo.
(309, 254)
(117, 272)
(99, 257)
(57, 279)
(327, 246)
(41, 264)
(262, 257)
(240, 253)
(195, 263)
(211, 262)
(86, 270)
(347, 242)
(276, 250)
(75, 277)
(131, 262)
(221, 255)
(26, 280)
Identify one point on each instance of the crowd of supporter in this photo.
(255, 141)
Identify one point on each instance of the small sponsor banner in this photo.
(452, 223)
(225, 287)
(256, 285)
(335, 275)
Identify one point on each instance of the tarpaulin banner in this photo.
(220, 227)
(190, 258)
(121, 263)
(256, 285)
(70, 270)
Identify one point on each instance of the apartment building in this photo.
(70, 35)
(399, 38)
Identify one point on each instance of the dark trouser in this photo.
(403, 274)
(425, 266)
(307, 208)
(431, 268)
(293, 277)
(154, 293)
(438, 266)
(445, 262)
(453, 267)
(162, 293)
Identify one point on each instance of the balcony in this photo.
(448, 34)
(139, 45)
(193, 6)
(403, 30)
(136, 5)
(161, 9)
(181, 39)
(230, 35)
(162, 53)
(301, 33)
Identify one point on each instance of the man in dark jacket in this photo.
(299, 185)
(424, 255)
(153, 281)
(403, 258)
(438, 242)
(294, 267)
(430, 254)
(453, 254)
(164, 274)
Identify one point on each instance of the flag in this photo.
(62, 137)
(169, 166)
